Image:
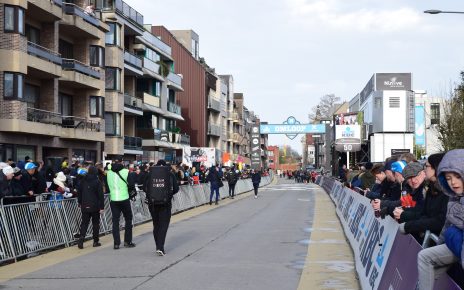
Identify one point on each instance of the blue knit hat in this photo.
(398, 166)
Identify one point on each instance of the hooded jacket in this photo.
(5, 189)
(232, 177)
(453, 161)
(90, 194)
(256, 177)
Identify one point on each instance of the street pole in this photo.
(348, 160)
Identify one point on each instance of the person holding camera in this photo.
(120, 183)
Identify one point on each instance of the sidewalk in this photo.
(330, 261)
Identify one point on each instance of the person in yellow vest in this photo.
(119, 183)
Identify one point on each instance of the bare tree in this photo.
(451, 126)
(325, 107)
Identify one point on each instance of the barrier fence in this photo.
(384, 258)
(51, 222)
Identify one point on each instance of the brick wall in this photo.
(49, 36)
(49, 95)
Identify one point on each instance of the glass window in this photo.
(13, 85)
(13, 19)
(152, 55)
(112, 37)
(65, 105)
(66, 49)
(33, 34)
(31, 95)
(97, 56)
(9, 18)
(113, 79)
(113, 124)
(435, 113)
(96, 106)
(8, 85)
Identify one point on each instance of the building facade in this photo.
(433, 112)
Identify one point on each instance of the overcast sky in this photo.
(285, 54)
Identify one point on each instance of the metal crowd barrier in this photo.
(51, 221)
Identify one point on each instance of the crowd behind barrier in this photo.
(384, 258)
(28, 228)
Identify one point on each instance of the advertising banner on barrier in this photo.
(371, 238)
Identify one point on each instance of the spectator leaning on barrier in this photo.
(91, 201)
(119, 183)
(6, 174)
(433, 213)
(367, 178)
(434, 261)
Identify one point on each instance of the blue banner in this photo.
(420, 126)
(292, 129)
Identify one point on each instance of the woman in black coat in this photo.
(91, 201)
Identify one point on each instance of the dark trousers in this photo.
(86, 216)
(116, 208)
(232, 189)
(255, 187)
(161, 216)
(214, 188)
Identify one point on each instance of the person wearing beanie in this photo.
(432, 262)
(367, 178)
(91, 202)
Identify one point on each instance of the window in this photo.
(97, 105)
(113, 78)
(97, 56)
(65, 105)
(113, 36)
(31, 95)
(113, 124)
(156, 89)
(33, 34)
(13, 19)
(152, 55)
(66, 49)
(434, 113)
(13, 85)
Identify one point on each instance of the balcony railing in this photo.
(163, 135)
(129, 12)
(214, 130)
(175, 78)
(149, 99)
(173, 108)
(214, 104)
(157, 42)
(72, 9)
(72, 64)
(54, 118)
(44, 53)
(132, 60)
(42, 116)
(58, 2)
(151, 65)
(133, 102)
(132, 143)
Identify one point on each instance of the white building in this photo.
(433, 108)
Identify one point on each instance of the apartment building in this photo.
(141, 109)
(52, 81)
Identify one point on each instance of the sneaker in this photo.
(129, 245)
(116, 247)
(256, 196)
(216, 203)
(233, 197)
(80, 245)
(210, 203)
(160, 253)
(96, 244)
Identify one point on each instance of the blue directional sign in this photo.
(292, 128)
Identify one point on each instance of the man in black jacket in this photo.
(6, 174)
(232, 178)
(161, 213)
(91, 201)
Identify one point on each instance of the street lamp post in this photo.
(434, 11)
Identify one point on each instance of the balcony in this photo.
(152, 69)
(74, 65)
(237, 138)
(175, 81)
(151, 40)
(173, 108)
(58, 2)
(128, 12)
(150, 100)
(43, 53)
(133, 105)
(82, 129)
(134, 62)
(163, 138)
(214, 104)
(133, 143)
(72, 9)
(214, 130)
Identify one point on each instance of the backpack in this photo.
(159, 187)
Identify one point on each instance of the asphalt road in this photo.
(246, 244)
